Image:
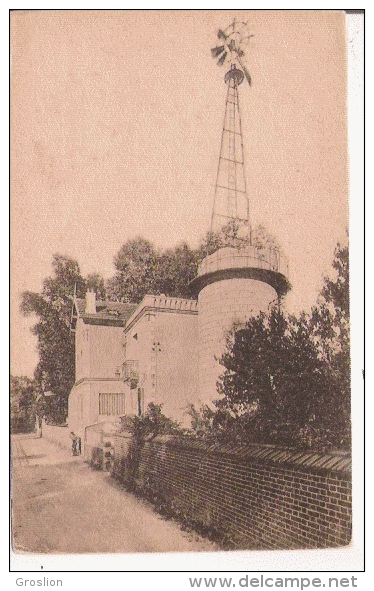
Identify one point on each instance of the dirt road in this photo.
(61, 505)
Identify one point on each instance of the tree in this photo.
(176, 268)
(203, 421)
(23, 402)
(55, 371)
(274, 383)
(136, 266)
(262, 239)
(287, 379)
(330, 324)
(142, 269)
(58, 290)
(336, 290)
(96, 283)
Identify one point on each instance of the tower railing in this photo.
(248, 257)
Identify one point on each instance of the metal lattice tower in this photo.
(231, 205)
(230, 216)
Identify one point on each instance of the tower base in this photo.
(233, 285)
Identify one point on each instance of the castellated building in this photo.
(165, 350)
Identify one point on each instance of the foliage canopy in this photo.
(23, 403)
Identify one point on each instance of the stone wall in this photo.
(255, 497)
(58, 435)
(222, 304)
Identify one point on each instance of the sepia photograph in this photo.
(180, 303)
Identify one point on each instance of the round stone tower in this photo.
(233, 285)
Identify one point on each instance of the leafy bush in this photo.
(146, 427)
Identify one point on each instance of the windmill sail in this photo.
(234, 40)
(221, 60)
(246, 74)
(216, 51)
(221, 34)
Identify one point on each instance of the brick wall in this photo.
(255, 497)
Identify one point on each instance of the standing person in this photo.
(74, 443)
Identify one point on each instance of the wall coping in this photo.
(330, 462)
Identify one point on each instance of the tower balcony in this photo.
(250, 256)
(268, 265)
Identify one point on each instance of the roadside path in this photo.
(61, 505)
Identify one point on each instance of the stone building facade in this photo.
(99, 393)
(128, 355)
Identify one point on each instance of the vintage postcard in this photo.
(180, 305)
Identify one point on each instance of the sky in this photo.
(116, 120)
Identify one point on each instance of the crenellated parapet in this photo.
(162, 303)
